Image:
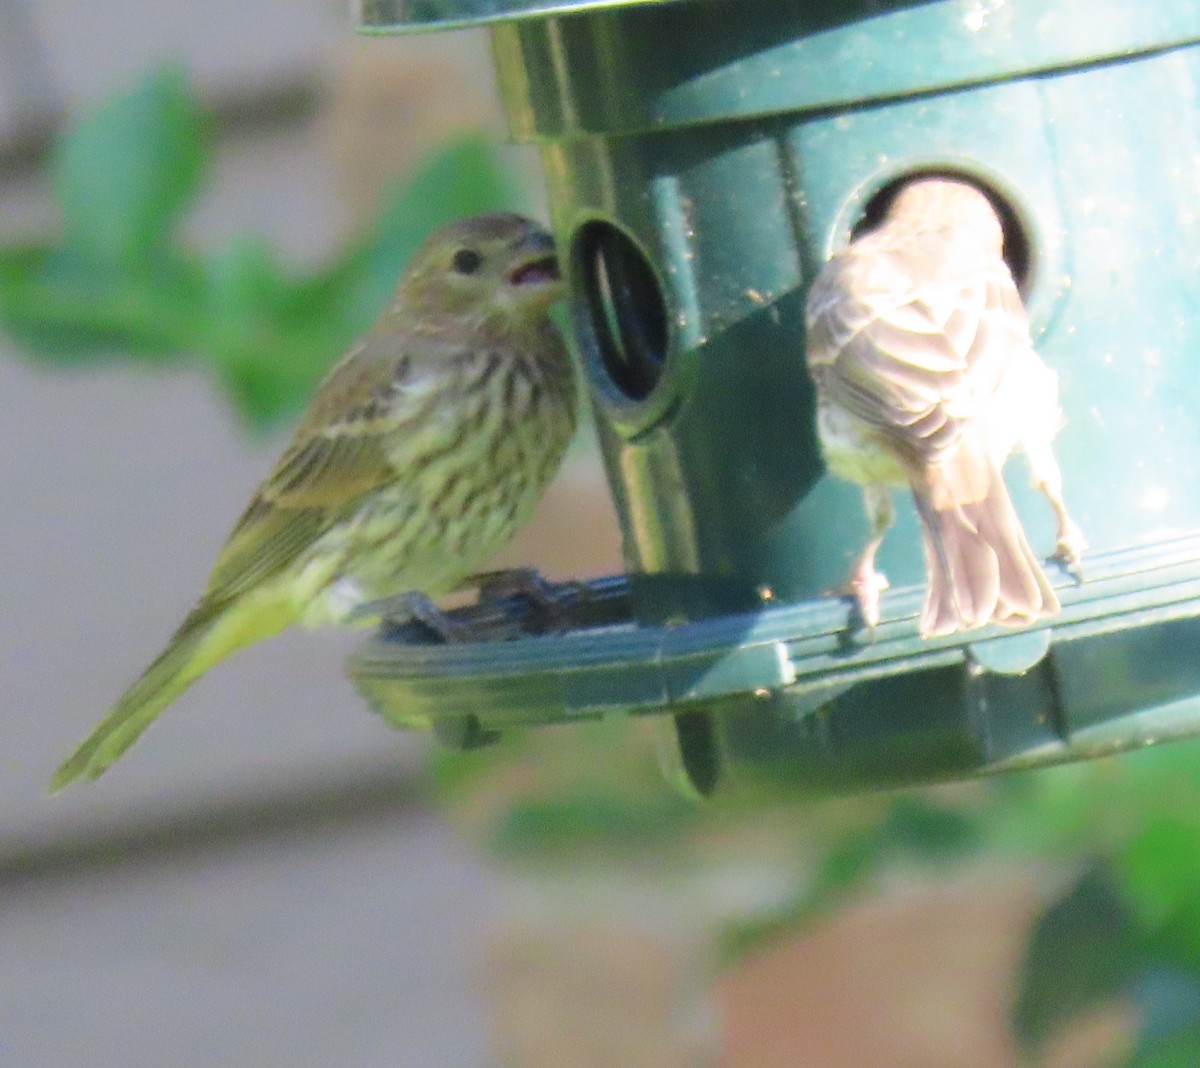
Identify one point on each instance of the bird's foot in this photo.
(526, 582)
(406, 609)
(1070, 549)
(555, 606)
(864, 587)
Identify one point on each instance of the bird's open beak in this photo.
(540, 271)
(538, 264)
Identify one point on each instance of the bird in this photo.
(925, 375)
(420, 455)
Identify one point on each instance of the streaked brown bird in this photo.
(421, 454)
(926, 376)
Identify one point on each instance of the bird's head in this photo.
(478, 269)
(951, 204)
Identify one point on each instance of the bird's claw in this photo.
(864, 587)
(555, 606)
(413, 608)
(526, 582)
(1069, 550)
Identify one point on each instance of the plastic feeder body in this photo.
(703, 159)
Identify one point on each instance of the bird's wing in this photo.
(337, 458)
(910, 341)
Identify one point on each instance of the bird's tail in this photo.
(208, 635)
(981, 568)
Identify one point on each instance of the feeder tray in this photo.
(1107, 677)
(703, 158)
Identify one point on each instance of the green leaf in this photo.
(269, 347)
(119, 282)
(1160, 869)
(123, 175)
(589, 820)
(929, 832)
(60, 308)
(1083, 952)
(1180, 1050)
(1175, 941)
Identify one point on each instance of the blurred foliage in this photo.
(1125, 924)
(1117, 840)
(121, 279)
(1123, 835)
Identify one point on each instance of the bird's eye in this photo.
(467, 261)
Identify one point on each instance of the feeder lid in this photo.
(406, 16)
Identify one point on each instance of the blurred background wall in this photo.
(264, 883)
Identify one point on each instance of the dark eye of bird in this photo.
(467, 261)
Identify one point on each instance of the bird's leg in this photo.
(557, 606)
(1047, 478)
(865, 584)
(405, 608)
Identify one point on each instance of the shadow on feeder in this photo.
(702, 161)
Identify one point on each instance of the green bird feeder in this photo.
(703, 159)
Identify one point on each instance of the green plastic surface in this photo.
(736, 145)
(637, 69)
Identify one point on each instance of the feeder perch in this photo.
(703, 158)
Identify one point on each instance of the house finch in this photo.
(419, 457)
(925, 374)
